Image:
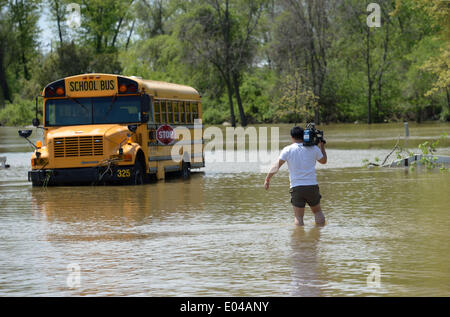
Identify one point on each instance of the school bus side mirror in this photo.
(25, 133)
(144, 118)
(36, 122)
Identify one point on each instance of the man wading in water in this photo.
(302, 175)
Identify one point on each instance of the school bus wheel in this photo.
(137, 177)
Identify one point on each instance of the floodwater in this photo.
(221, 234)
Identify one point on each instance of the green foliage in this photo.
(157, 58)
(347, 90)
(439, 12)
(427, 149)
(102, 22)
(290, 60)
(213, 115)
(19, 112)
(256, 92)
(18, 43)
(297, 101)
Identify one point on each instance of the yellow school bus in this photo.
(103, 128)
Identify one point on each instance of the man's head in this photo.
(297, 134)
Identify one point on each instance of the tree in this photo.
(103, 23)
(24, 17)
(57, 10)
(18, 33)
(153, 14)
(439, 65)
(220, 33)
(303, 37)
(424, 27)
(6, 41)
(375, 49)
(297, 101)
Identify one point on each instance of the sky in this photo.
(47, 30)
(48, 27)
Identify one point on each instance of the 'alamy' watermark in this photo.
(374, 277)
(374, 18)
(73, 15)
(236, 145)
(74, 277)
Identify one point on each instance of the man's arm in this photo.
(323, 160)
(272, 172)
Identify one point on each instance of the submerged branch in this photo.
(392, 151)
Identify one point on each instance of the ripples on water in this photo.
(221, 234)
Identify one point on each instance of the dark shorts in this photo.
(300, 195)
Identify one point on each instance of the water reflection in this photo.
(119, 203)
(221, 234)
(306, 279)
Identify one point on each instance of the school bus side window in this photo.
(182, 114)
(188, 112)
(176, 113)
(194, 110)
(163, 112)
(156, 111)
(169, 112)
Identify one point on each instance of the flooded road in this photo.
(221, 234)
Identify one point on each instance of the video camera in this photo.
(312, 136)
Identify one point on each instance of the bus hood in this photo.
(112, 132)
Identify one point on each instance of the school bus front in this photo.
(96, 130)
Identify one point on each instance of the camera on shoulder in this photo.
(312, 136)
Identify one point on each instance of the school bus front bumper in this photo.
(78, 176)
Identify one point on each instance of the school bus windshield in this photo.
(96, 110)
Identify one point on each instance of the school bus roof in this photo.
(162, 89)
(155, 88)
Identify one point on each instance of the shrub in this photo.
(19, 112)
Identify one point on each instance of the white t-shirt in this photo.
(301, 162)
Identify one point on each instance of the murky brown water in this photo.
(221, 234)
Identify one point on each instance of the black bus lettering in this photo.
(93, 85)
